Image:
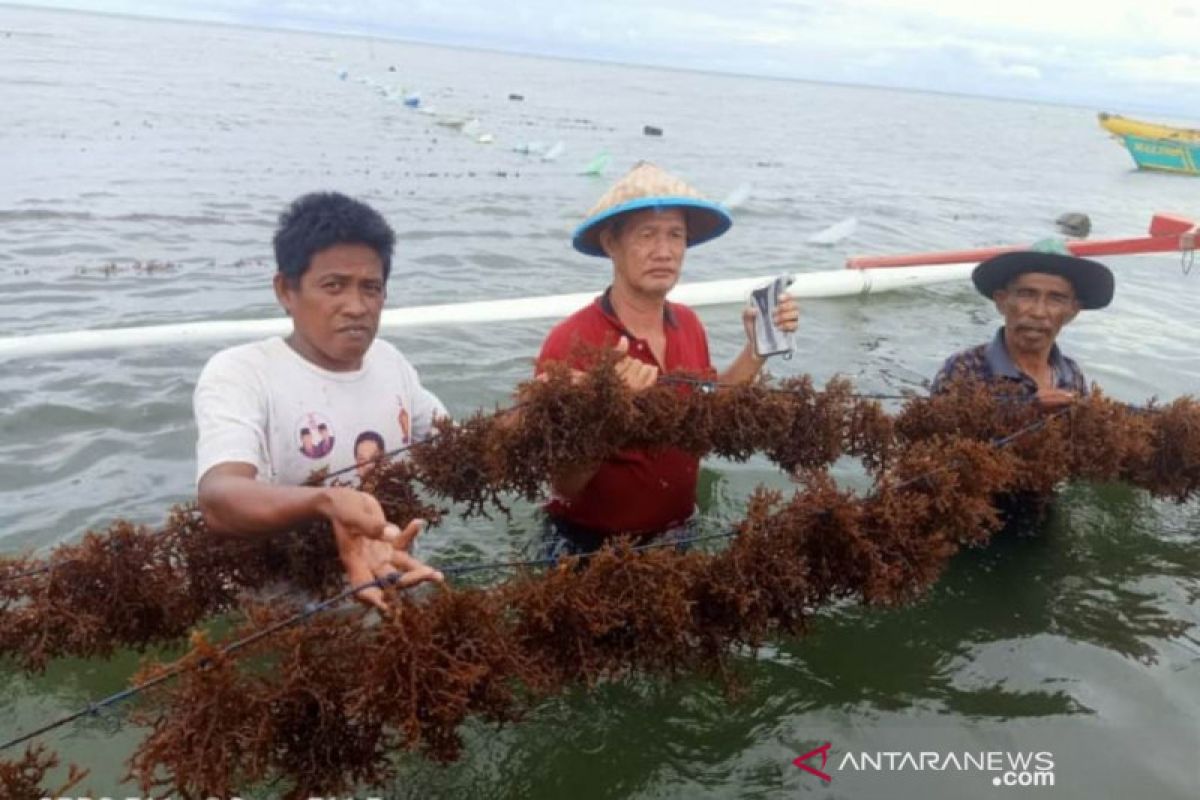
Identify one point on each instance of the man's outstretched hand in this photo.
(371, 548)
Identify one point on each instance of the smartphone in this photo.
(768, 339)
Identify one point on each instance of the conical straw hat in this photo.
(647, 186)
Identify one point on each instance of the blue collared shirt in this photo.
(991, 362)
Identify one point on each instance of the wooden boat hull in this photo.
(1123, 126)
(1164, 155)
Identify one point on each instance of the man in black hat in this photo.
(1038, 291)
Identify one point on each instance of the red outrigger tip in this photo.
(1168, 234)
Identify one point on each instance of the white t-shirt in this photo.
(264, 404)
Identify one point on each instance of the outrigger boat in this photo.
(1164, 155)
(863, 276)
(1156, 147)
(1124, 126)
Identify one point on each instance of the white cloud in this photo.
(1176, 68)
(1026, 72)
(1112, 52)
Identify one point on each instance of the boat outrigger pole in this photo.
(867, 275)
(1168, 234)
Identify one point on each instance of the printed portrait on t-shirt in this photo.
(368, 449)
(405, 424)
(315, 435)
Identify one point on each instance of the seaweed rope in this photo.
(313, 609)
(324, 477)
(310, 611)
(664, 380)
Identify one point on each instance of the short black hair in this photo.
(320, 220)
(369, 436)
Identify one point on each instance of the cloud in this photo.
(1177, 68)
(1026, 72)
(1110, 52)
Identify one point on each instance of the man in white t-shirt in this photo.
(269, 413)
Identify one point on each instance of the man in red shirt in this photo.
(643, 224)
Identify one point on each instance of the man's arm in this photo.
(234, 502)
(746, 366)
(570, 481)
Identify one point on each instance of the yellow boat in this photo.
(1123, 126)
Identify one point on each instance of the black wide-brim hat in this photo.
(1093, 282)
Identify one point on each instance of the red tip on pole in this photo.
(1168, 233)
(1169, 225)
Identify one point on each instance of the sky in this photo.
(1114, 55)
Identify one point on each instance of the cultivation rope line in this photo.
(1000, 443)
(712, 385)
(703, 385)
(391, 454)
(313, 609)
(157, 588)
(494, 649)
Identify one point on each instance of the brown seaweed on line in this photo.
(25, 777)
(338, 696)
(495, 653)
(132, 587)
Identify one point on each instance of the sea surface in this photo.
(143, 165)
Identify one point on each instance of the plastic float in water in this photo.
(1074, 224)
(737, 197)
(598, 165)
(530, 148)
(838, 232)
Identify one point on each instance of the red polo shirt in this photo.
(637, 491)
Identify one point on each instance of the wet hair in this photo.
(320, 220)
(369, 436)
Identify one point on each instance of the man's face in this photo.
(335, 306)
(1035, 306)
(647, 251)
(365, 456)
